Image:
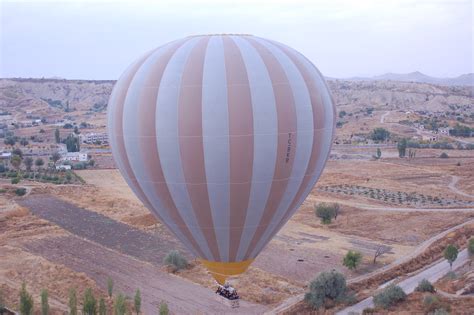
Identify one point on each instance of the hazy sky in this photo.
(98, 39)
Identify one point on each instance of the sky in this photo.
(343, 38)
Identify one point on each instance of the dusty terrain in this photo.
(63, 236)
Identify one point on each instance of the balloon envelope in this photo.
(222, 137)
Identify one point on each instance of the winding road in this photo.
(432, 274)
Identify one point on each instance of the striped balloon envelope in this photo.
(222, 137)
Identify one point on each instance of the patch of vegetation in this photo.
(20, 191)
(26, 301)
(425, 286)
(327, 288)
(175, 260)
(380, 134)
(451, 254)
(444, 155)
(326, 212)
(352, 259)
(163, 308)
(391, 295)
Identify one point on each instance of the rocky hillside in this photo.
(47, 97)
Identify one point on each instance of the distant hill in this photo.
(465, 79)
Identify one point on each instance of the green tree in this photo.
(451, 254)
(72, 143)
(138, 301)
(391, 295)
(102, 307)
(44, 302)
(425, 286)
(175, 260)
(17, 151)
(72, 302)
(57, 136)
(76, 130)
(120, 307)
(380, 134)
(2, 301)
(352, 259)
(326, 212)
(402, 147)
(16, 161)
(163, 308)
(379, 153)
(89, 306)
(26, 301)
(470, 250)
(39, 162)
(10, 141)
(28, 161)
(327, 286)
(110, 286)
(24, 142)
(444, 155)
(55, 157)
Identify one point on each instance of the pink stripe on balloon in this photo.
(240, 141)
(318, 123)
(286, 146)
(191, 145)
(146, 107)
(117, 132)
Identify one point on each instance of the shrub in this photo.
(425, 286)
(327, 286)
(72, 302)
(451, 275)
(20, 191)
(325, 212)
(451, 253)
(110, 286)
(444, 155)
(120, 307)
(470, 247)
(164, 308)
(175, 260)
(368, 310)
(440, 311)
(102, 307)
(389, 296)
(138, 301)
(26, 301)
(44, 302)
(90, 303)
(15, 180)
(352, 259)
(432, 304)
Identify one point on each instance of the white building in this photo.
(95, 137)
(5, 155)
(63, 167)
(75, 156)
(443, 131)
(430, 138)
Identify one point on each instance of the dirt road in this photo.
(432, 274)
(101, 248)
(452, 186)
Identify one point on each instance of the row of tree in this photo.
(90, 305)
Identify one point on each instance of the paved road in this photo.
(433, 274)
(285, 305)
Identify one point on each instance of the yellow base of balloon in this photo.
(222, 270)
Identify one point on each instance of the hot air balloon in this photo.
(222, 137)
